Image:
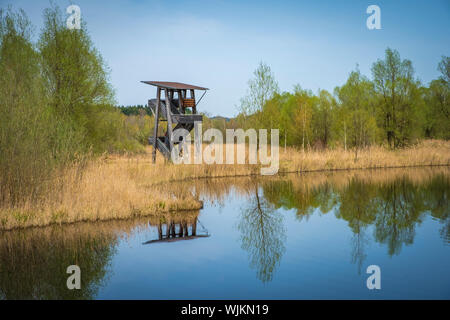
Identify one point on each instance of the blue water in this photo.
(266, 244)
(314, 261)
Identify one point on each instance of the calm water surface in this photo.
(295, 237)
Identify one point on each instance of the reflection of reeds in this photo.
(33, 261)
(216, 190)
(117, 187)
(340, 180)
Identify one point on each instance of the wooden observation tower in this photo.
(179, 112)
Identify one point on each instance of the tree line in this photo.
(135, 110)
(391, 108)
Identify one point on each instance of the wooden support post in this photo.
(185, 229)
(155, 130)
(169, 120)
(160, 234)
(180, 101)
(194, 108)
(173, 230)
(180, 230)
(194, 227)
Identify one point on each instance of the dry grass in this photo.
(427, 153)
(104, 191)
(119, 186)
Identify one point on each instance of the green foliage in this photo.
(76, 80)
(393, 107)
(135, 110)
(56, 105)
(260, 89)
(444, 69)
(302, 120)
(28, 151)
(139, 127)
(437, 103)
(356, 115)
(324, 118)
(399, 98)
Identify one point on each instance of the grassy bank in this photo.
(121, 186)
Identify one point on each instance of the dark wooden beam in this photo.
(186, 118)
(155, 130)
(170, 239)
(194, 109)
(180, 101)
(194, 227)
(169, 121)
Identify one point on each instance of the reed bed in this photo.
(125, 186)
(104, 191)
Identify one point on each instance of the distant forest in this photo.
(135, 110)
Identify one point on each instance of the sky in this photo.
(218, 44)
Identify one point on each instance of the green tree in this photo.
(444, 68)
(261, 88)
(398, 94)
(356, 122)
(77, 86)
(437, 103)
(286, 125)
(27, 152)
(302, 119)
(55, 105)
(323, 118)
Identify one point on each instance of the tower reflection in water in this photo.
(179, 228)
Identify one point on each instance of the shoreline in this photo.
(281, 173)
(126, 186)
(180, 209)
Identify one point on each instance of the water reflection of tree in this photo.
(284, 194)
(437, 201)
(262, 235)
(401, 207)
(393, 207)
(357, 206)
(33, 262)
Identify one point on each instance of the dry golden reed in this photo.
(124, 186)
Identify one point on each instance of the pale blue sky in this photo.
(218, 44)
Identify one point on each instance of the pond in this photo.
(309, 236)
